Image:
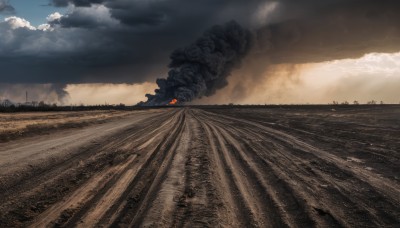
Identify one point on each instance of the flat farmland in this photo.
(18, 125)
(210, 166)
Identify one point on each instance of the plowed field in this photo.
(209, 167)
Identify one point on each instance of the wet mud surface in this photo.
(210, 167)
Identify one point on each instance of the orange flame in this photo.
(174, 101)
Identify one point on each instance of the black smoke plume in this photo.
(201, 68)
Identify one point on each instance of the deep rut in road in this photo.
(192, 168)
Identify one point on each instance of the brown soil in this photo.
(230, 167)
(20, 125)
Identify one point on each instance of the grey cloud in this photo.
(139, 17)
(96, 17)
(327, 30)
(85, 47)
(127, 12)
(63, 3)
(6, 8)
(155, 12)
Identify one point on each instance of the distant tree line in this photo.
(54, 107)
(371, 102)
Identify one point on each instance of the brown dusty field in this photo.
(209, 167)
(18, 125)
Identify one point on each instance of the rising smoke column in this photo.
(202, 68)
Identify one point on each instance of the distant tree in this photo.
(335, 102)
(373, 102)
(356, 103)
(345, 103)
(7, 103)
(382, 103)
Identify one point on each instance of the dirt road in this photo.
(189, 167)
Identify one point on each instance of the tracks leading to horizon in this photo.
(193, 168)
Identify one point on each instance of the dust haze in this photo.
(371, 77)
(50, 93)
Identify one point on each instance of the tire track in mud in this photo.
(299, 145)
(281, 197)
(106, 202)
(198, 201)
(330, 184)
(152, 173)
(191, 168)
(258, 208)
(49, 169)
(333, 195)
(241, 196)
(83, 195)
(25, 199)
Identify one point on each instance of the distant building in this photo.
(31, 104)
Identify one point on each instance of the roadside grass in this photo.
(14, 126)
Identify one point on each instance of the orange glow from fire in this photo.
(174, 101)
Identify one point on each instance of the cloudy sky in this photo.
(97, 51)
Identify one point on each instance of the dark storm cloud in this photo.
(130, 41)
(5, 7)
(315, 31)
(119, 41)
(154, 12)
(139, 17)
(97, 17)
(63, 3)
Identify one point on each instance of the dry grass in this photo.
(15, 125)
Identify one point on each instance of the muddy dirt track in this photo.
(189, 167)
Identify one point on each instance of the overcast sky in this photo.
(68, 42)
